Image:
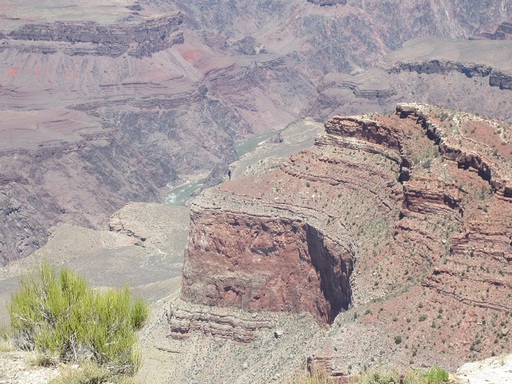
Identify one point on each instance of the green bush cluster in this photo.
(57, 313)
(434, 375)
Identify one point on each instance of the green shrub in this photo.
(378, 377)
(434, 375)
(59, 314)
(437, 375)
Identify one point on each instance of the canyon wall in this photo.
(139, 40)
(170, 87)
(391, 225)
(289, 264)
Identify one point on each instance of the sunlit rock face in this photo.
(384, 216)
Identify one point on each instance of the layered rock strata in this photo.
(244, 67)
(497, 78)
(289, 264)
(138, 40)
(239, 326)
(395, 227)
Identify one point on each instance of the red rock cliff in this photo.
(265, 257)
(388, 225)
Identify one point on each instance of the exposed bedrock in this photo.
(138, 40)
(276, 261)
(240, 326)
(497, 78)
(464, 150)
(386, 222)
(503, 32)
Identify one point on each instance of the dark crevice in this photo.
(334, 274)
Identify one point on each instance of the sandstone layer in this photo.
(393, 228)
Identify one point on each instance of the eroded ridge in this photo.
(389, 225)
(89, 38)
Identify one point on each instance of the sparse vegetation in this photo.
(5, 345)
(308, 378)
(57, 315)
(379, 376)
(434, 375)
(89, 373)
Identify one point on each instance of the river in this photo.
(181, 194)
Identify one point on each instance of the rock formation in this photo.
(137, 40)
(290, 264)
(391, 225)
(503, 32)
(496, 77)
(162, 90)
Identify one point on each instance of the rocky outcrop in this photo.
(185, 318)
(497, 78)
(137, 40)
(497, 173)
(387, 214)
(440, 66)
(367, 93)
(289, 264)
(503, 32)
(501, 80)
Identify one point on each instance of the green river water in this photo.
(180, 195)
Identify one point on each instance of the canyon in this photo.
(382, 238)
(124, 100)
(392, 230)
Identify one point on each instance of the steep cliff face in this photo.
(387, 222)
(289, 264)
(139, 40)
